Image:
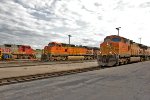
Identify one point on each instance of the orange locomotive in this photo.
(61, 51)
(117, 50)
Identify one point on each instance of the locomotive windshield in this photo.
(107, 40)
(116, 39)
(51, 44)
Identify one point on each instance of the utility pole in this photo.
(69, 38)
(140, 39)
(118, 30)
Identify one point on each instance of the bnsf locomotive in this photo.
(116, 50)
(61, 51)
(11, 51)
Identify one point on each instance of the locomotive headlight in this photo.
(107, 44)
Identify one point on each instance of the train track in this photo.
(10, 65)
(36, 61)
(19, 79)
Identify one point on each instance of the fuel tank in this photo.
(135, 59)
(75, 57)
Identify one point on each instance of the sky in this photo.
(38, 22)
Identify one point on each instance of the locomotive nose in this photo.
(107, 60)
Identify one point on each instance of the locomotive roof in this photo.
(72, 45)
(131, 41)
(116, 36)
(11, 45)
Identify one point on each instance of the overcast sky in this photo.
(38, 22)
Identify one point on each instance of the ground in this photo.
(127, 82)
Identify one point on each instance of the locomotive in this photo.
(12, 51)
(117, 50)
(61, 51)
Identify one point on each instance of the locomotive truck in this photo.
(62, 51)
(117, 50)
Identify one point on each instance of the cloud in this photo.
(145, 5)
(38, 22)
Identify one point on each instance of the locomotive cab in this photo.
(110, 45)
(51, 51)
(112, 49)
(115, 45)
(112, 39)
(52, 44)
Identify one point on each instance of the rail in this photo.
(10, 65)
(19, 79)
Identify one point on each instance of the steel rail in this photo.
(41, 63)
(19, 79)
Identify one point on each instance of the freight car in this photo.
(12, 51)
(62, 51)
(117, 50)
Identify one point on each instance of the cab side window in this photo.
(107, 40)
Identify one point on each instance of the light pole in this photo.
(69, 38)
(140, 39)
(118, 30)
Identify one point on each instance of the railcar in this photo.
(12, 51)
(117, 50)
(62, 51)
